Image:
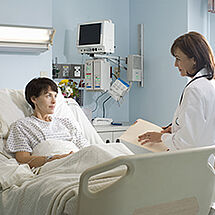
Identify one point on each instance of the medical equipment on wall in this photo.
(118, 89)
(70, 71)
(74, 78)
(95, 37)
(135, 68)
(97, 75)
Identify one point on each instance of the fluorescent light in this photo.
(25, 38)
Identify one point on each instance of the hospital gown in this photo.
(25, 134)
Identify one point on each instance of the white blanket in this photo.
(54, 147)
(12, 173)
(55, 189)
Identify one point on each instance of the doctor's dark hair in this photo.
(194, 45)
(37, 86)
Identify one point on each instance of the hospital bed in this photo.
(178, 183)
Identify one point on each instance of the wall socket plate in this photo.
(43, 74)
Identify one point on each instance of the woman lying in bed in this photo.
(29, 133)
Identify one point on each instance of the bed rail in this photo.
(180, 182)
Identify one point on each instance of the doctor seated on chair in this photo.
(193, 123)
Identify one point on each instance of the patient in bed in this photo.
(27, 136)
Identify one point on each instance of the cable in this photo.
(116, 63)
(96, 101)
(103, 105)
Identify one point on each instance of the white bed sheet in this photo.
(55, 189)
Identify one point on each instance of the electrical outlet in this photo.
(43, 74)
(77, 71)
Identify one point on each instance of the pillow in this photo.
(70, 108)
(53, 147)
(89, 131)
(18, 98)
(11, 109)
(62, 109)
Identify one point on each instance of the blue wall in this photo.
(198, 16)
(212, 30)
(17, 70)
(163, 21)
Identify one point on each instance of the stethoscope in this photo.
(182, 95)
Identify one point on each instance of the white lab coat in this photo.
(193, 123)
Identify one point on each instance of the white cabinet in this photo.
(111, 133)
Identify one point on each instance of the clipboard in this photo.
(140, 127)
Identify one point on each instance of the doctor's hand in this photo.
(167, 130)
(150, 137)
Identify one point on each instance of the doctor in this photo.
(193, 123)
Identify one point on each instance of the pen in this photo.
(116, 123)
(167, 126)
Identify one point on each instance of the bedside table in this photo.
(111, 133)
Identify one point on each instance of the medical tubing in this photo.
(104, 106)
(96, 101)
(117, 63)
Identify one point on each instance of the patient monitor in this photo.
(95, 37)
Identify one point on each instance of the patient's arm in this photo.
(36, 161)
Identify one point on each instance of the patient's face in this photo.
(45, 103)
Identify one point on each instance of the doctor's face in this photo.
(45, 103)
(185, 64)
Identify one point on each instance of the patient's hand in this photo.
(60, 156)
(150, 137)
(36, 161)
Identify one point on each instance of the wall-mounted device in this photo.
(65, 70)
(135, 68)
(118, 89)
(95, 37)
(73, 71)
(97, 75)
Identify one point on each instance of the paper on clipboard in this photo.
(140, 127)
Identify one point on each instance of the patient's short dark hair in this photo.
(36, 86)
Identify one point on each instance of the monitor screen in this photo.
(90, 34)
